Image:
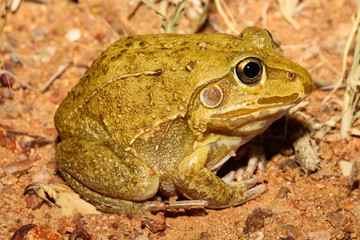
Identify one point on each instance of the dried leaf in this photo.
(62, 196)
(306, 152)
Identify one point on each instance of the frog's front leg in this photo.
(108, 175)
(195, 181)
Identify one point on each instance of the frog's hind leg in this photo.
(106, 174)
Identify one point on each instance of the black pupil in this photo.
(251, 70)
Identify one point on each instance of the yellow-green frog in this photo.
(161, 114)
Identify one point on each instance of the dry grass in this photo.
(350, 110)
(289, 8)
(227, 16)
(352, 91)
(169, 24)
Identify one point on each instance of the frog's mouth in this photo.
(235, 123)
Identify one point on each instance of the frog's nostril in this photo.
(290, 75)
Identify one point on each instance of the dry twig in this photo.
(59, 71)
(227, 16)
(169, 25)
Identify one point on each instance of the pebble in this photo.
(141, 237)
(16, 58)
(9, 179)
(6, 79)
(205, 236)
(319, 235)
(330, 205)
(283, 192)
(18, 166)
(40, 176)
(33, 232)
(34, 201)
(289, 231)
(345, 167)
(73, 34)
(282, 209)
(5, 93)
(10, 109)
(256, 219)
(356, 212)
(156, 223)
(79, 233)
(337, 219)
(288, 164)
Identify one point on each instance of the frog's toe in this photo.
(254, 192)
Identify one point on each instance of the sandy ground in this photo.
(41, 37)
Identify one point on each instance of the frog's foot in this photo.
(257, 161)
(251, 191)
(231, 177)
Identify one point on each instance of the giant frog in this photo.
(161, 113)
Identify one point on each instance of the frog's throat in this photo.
(244, 134)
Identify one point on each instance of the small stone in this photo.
(337, 219)
(10, 109)
(18, 166)
(34, 201)
(33, 232)
(256, 219)
(300, 205)
(317, 176)
(16, 58)
(330, 205)
(79, 234)
(9, 179)
(5, 93)
(205, 236)
(156, 224)
(73, 34)
(40, 176)
(5, 78)
(142, 237)
(356, 212)
(345, 167)
(289, 231)
(282, 209)
(283, 192)
(115, 226)
(319, 235)
(257, 235)
(288, 164)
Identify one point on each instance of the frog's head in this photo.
(258, 86)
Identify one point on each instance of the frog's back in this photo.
(139, 82)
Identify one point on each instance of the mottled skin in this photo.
(139, 121)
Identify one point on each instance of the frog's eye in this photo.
(249, 70)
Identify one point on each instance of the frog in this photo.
(159, 114)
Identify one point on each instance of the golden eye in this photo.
(249, 70)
